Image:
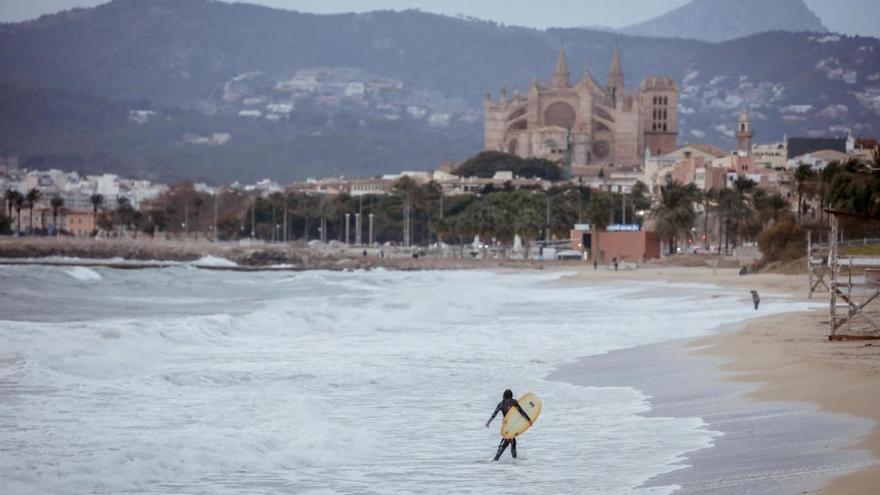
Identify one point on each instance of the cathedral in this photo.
(599, 125)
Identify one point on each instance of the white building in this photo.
(818, 160)
(772, 155)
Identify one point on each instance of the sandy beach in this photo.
(784, 359)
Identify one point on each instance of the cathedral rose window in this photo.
(601, 149)
(560, 114)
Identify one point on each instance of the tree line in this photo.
(420, 214)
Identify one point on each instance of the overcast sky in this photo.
(844, 16)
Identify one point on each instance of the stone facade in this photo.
(602, 125)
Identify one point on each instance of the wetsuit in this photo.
(503, 407)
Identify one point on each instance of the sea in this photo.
(185, 380)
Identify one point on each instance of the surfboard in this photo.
(514, 423)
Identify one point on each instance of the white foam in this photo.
(214, 261)
(83, 273)
(345, 382)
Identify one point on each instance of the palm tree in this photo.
(466, 225)
(57, 204)
(326, 209)
(675, 214)
(124, 214)
(430, 199)
(743, 191)
(31, 199)
(711, 199)
(9, 197)
(599, 211)
(803, 175)
(724, 211)
(776, 206)
(304, 206)
(97, 203)
(198, 202)
(769, 207)
(407, 188)
(480, 218)
(875, 156)
(17, 202)
(525, 208)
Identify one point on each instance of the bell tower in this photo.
(744, 133)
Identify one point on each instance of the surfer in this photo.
(507, 401)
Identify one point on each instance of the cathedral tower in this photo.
(659, 103)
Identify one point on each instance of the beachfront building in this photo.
(79, 222)
(627, 243)
(598, 125)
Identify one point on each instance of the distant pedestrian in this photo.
(365, 253)
(595, 264)
(756, 299)
(615, 263)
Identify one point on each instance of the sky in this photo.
(843, 16)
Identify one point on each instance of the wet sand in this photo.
(799, 414)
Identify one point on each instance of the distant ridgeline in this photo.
(214, 91)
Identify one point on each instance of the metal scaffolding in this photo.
(854, 286)
(817, 265)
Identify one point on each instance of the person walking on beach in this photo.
(507, 401)
(756, 299)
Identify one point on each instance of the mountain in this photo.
(171, 89)
(723, 20)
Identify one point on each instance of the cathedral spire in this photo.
(615, 77)
(615, 64)
(561, 76)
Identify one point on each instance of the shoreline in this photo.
(790, 359)
(804, 410)
(145, 253)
